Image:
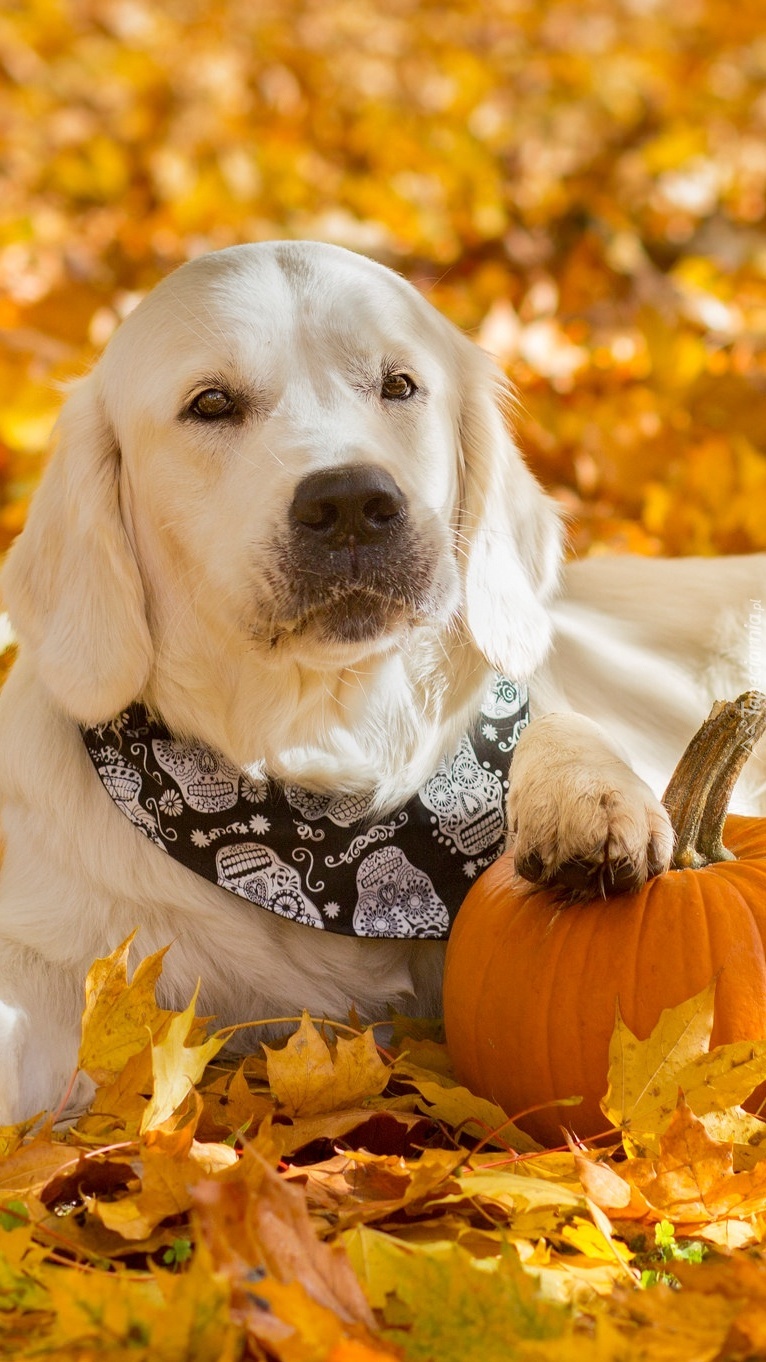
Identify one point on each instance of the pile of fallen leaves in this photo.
(329, 1200)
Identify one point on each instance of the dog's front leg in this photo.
(580, 818)
(40, 1008)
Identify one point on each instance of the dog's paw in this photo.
(594, 841)
(581, 820)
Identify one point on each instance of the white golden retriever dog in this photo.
(285, 515)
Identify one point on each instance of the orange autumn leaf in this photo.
(691, 1181)
(258, 1230)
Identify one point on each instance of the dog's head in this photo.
(285, 450)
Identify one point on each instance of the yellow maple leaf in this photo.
(642, 1082)
(119, 1015)
(645, 1076)
(308, 1077)
(230, 1103)
(177, 1066)
(724, 1078)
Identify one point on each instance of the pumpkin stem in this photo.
(697, 797)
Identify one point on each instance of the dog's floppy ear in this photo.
(71, 582)
(511, 532)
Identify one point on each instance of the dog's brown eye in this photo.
(397, 386)
(211, 403)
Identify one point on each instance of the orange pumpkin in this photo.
(530, 986)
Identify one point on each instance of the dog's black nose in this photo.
(359, 503)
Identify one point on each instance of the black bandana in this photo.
(321, 860)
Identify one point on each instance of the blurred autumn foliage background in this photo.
(581, 184)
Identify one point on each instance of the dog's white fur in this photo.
(150, 569)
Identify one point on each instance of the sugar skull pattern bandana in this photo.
(322, 860)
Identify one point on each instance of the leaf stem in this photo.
(317, 1021)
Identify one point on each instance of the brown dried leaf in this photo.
(165, 1191)
(258, 1232)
